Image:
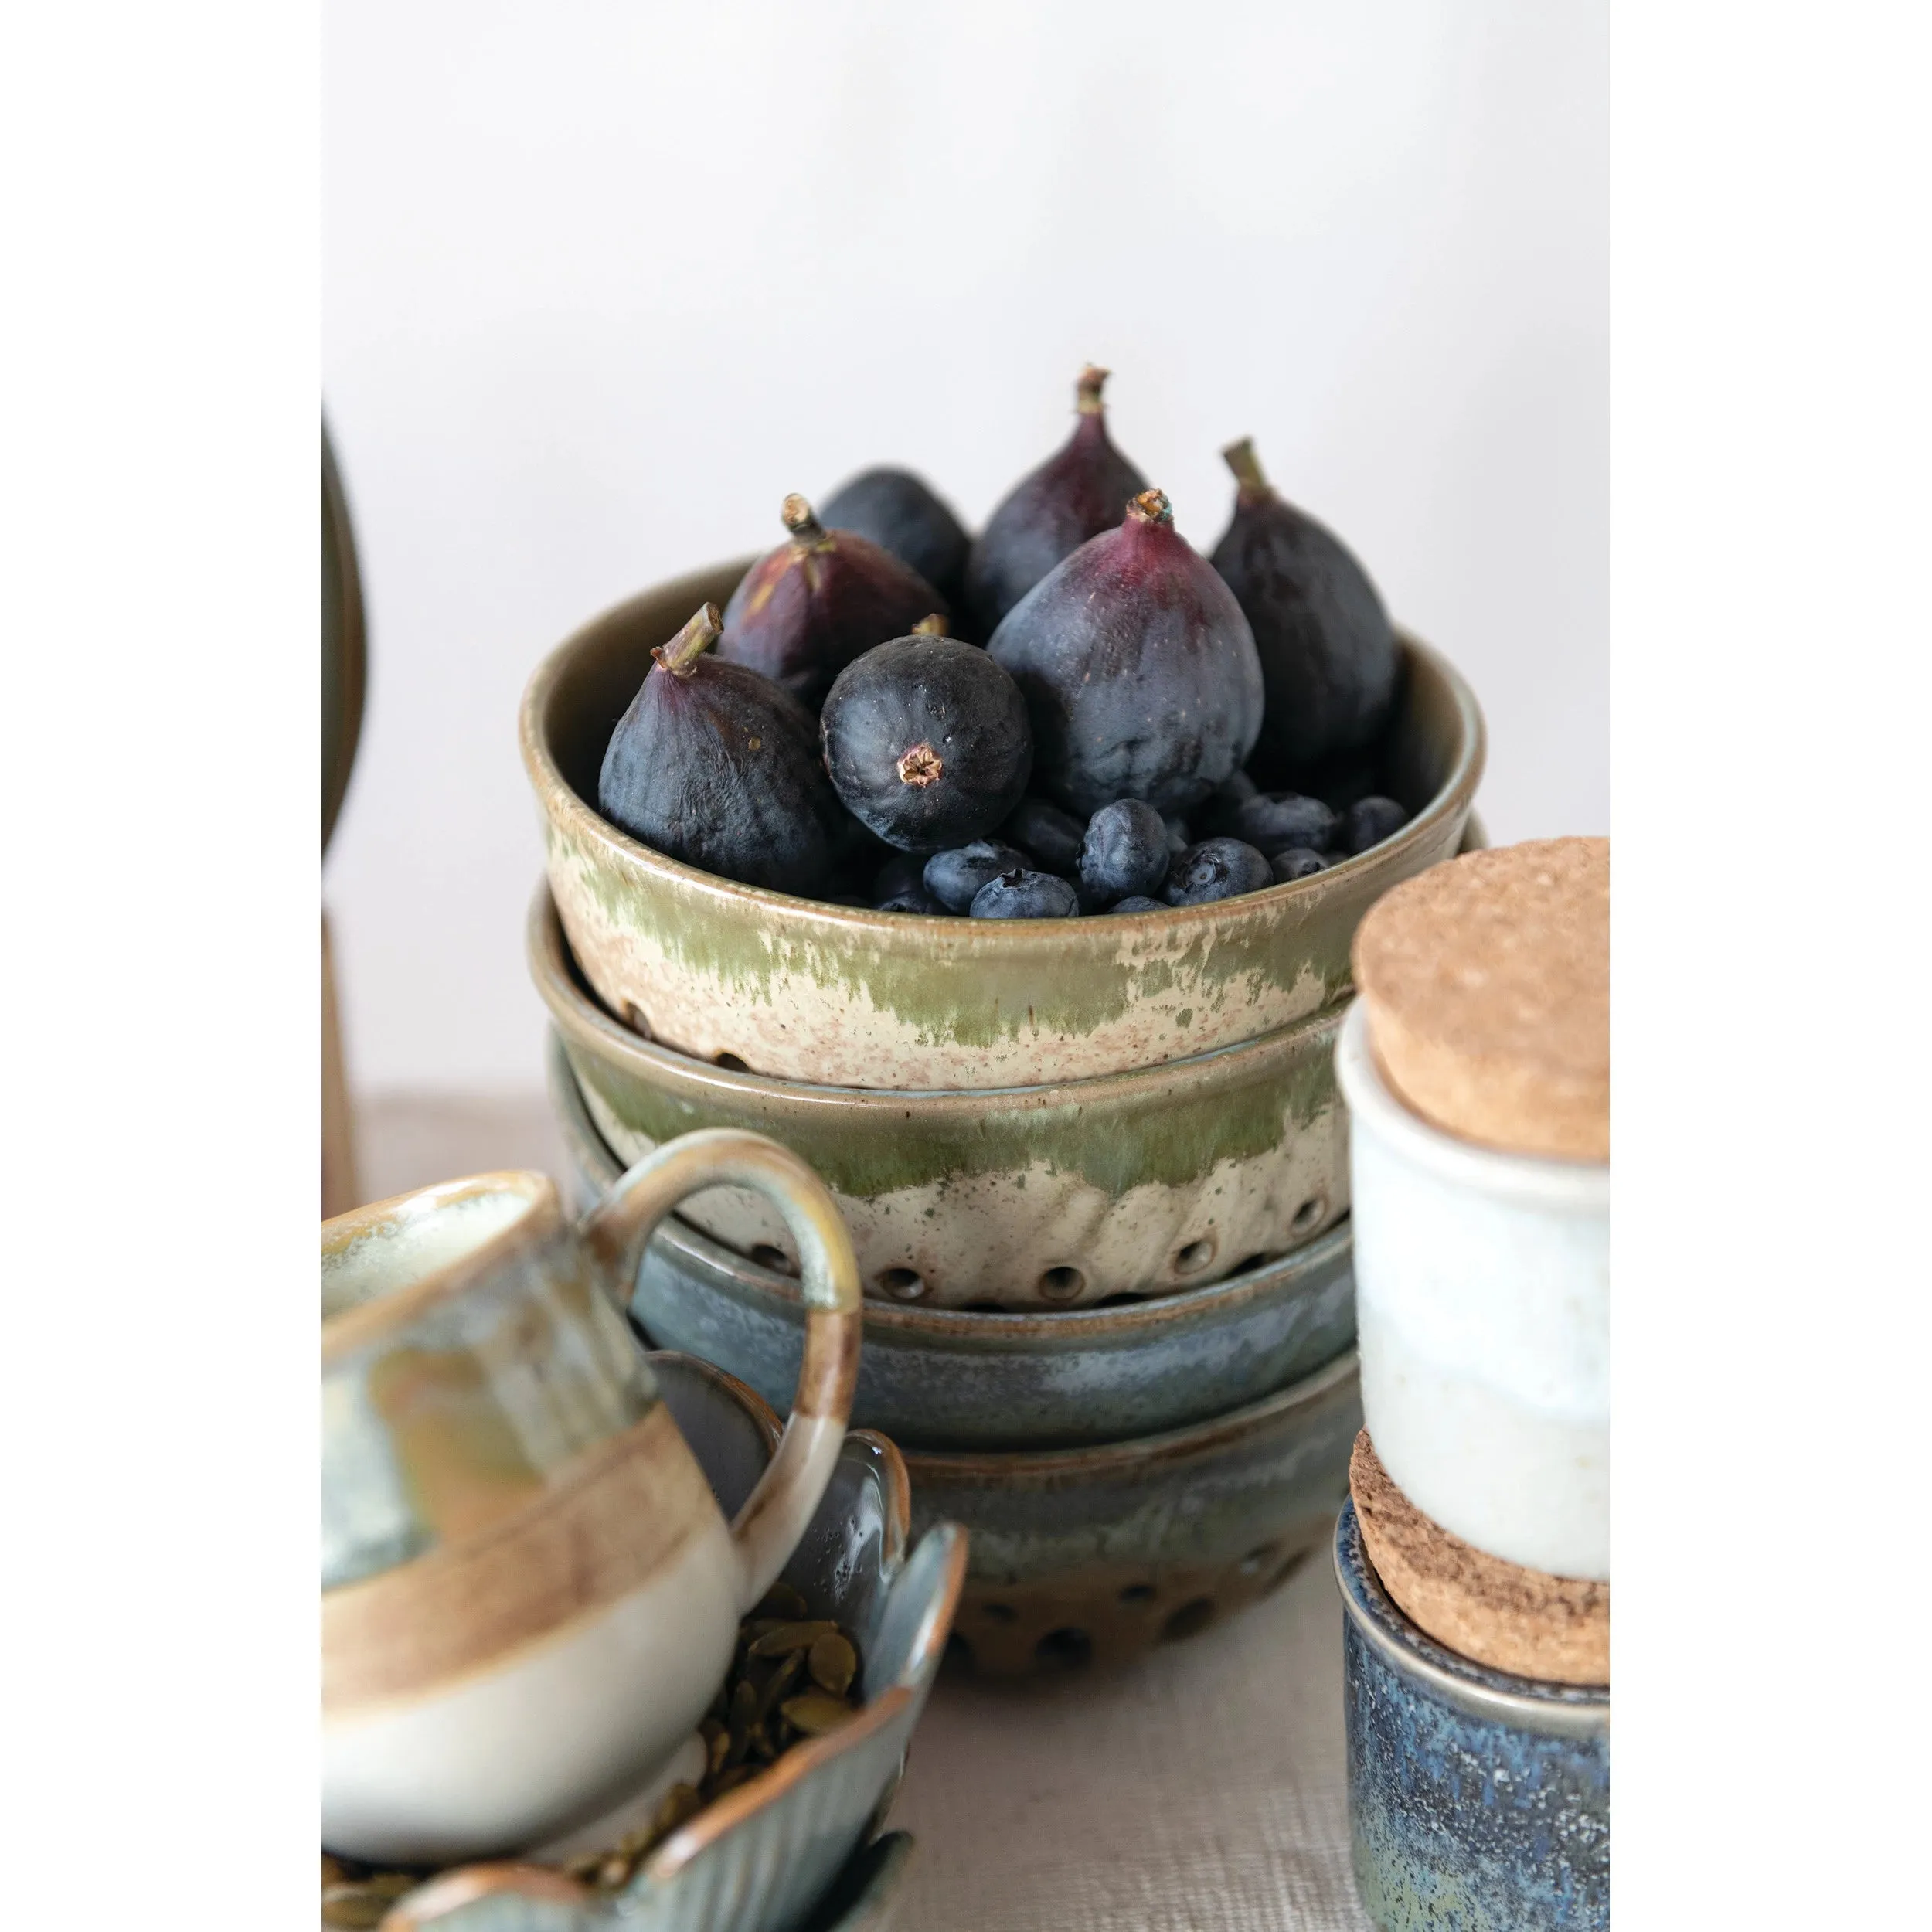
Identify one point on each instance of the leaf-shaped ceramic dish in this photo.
(764, 1856)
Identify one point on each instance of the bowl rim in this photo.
(577, 1013)
(999, 1468)
(1084, 1326)
(561, 802)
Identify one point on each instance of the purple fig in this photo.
(1329, 657)
(805, 610)
(1076, 494)
(714, 765)
(1137, 668)
(899, 512)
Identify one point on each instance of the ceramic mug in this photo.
(529, 1593)
(1482, 1311)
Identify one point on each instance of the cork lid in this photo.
(1524, 1621)
(1487, 986)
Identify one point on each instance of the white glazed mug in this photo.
(529, 1593)
(1482, 1301)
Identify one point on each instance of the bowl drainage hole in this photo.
(998, 1613)
(1062, 1283)
(1308, 1215)
(1189, 1620)
(1194, 1257)
(775, 1258)
(730, 1063)
(1135, 1594)
(1064, 1649)
(1257, 1560)
(903, 1284)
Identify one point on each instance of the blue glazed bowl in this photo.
(953, 1379)
(1478, 1801)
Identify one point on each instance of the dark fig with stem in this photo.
(1329, 659)
(900, 513)
(805, 610)
(716, 766)
(1137, 666)
(1076, 494)
(925, 740)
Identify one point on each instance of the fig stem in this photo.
(934, 626)
(1241, 459)
(1150, 506)
(801, 521)
(1086, 391)
(701, 631)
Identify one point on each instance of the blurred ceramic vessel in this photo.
(788, 1849)
(973, 1378)
(1482, 1290)
(1040, 1197)
(528, 1595)
(800, 990)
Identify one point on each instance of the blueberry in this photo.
(1020, 894)
(1125, 852)
(1273, 820)
(1297, 862)
(904, 871)
(953, 877)
(1050, 837)
(1370, 820)
(913, 899)
(1137, 904)
(1216, 869)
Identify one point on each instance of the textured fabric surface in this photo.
(1202, 1791)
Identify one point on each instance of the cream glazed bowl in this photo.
(530, 1594)
(1482, 1311)
(803, 990)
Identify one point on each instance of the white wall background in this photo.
(604, 280)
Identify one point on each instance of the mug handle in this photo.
(778, 1512)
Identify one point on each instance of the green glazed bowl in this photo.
(800, 990)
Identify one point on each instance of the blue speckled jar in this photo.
(1478, 1801)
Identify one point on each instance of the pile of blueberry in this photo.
(1034, 724)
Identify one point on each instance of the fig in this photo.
(1370, 820)
(1125, 853)
(954, 878)
(925, 740)
(1052, 837)
(717, 766)
(1076, 494)
(1272, 821)
(1020, 894)
(1329, 660)
(805, 610)
(1137, 668)
(900, 513)
(1216, 869)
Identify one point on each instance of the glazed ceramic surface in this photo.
(1483, 1302)
(785, 1852)
(1477, 1802)
(1028, 1197)
(1093, 1555)
(803, 991)
(529, 1593)
(939, 1379)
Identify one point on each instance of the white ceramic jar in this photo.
(1482, 1285)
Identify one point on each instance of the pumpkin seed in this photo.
(782, 1600)
(790, 1637)
(816, 1714)
(833, 1664)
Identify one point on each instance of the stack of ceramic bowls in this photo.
(1474, 1558)
(1095, 1171)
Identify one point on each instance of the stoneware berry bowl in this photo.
(1476, 1799)
(783, 1851)
(1092, 1556)
(1034, 1197)
(975, 1378)
(801, 990)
